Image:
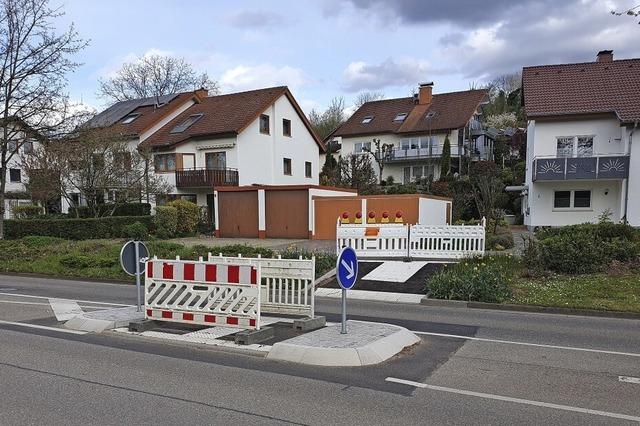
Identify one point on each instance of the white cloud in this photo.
(246, 77)
(391, 72)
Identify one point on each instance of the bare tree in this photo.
(325, 123)
(154, 76)
(356, 172)
(97, 163)
(34, 63)
(634, 12)
(364, 97)
(381, 154)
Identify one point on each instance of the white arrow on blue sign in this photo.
(347, 268)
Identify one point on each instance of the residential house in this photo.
(581, 162)
(417, 127)
(136, 120)
(254, 137)
(22, 142)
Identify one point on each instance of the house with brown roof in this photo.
(581, 162)
(417, 127)
(247, 138)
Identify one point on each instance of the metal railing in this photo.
(614, 166)
(201, 177)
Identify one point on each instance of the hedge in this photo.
(73, 229)
(129, 209)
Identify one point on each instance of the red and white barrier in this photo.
(207, 293)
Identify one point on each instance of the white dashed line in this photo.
(43, 327)
(539, 345)
(627, 379)
(516, 400)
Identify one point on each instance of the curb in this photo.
(528, 308)
(333, 349)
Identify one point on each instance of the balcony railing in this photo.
(206, 178)
(573, 168)
(408, 154)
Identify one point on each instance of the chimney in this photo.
(424, 93)
(202, 92)
(605, 56)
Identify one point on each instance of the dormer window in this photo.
(186, 123)
(130, 118)
(368, 119)
(400, 117)
(431, 114)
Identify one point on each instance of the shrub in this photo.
(188, 217)
(128, 209)
(166, 221)
(586, 248)
(76, 261)
(478, 279)
(80, 212)
(72, 229)
(26, 211)
(504, 240)
(137, 231)
(133, 209)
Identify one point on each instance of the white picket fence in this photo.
(287, 284)
(412, 241)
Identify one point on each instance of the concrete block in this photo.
(251, 337)
(308, 324)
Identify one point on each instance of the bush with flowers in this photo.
(481, 279)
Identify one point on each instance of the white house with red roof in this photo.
(417, 127)
(581, 160)
(200, 142)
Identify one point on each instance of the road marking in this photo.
(627, 379)
(515, 400)
(70, 300)
(18, 302)
(42, 327)
(539, 345)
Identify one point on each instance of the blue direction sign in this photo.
(347, 268)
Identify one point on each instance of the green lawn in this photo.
(593, 291)
(99, 259)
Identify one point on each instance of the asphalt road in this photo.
(472, 367)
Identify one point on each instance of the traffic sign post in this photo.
(346, 274)
(131, 255)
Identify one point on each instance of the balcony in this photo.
(411, 154)
(206, 178)
(575, 168)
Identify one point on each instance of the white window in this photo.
(360, 147)
(186, 123)
(400, 117)
(130, 118)
(574, 146)
(416, 173)
(574, 199)
(367, 119)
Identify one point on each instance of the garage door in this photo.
(238, 214)
(287, 214)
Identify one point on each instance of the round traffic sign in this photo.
(347, 268)
(128, 257)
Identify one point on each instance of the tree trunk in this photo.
(3, 179)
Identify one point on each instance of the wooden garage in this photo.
(238, 214)
(287, 213)
(269, 211)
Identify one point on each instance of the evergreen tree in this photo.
(445, 162)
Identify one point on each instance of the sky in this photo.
(327, 48)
